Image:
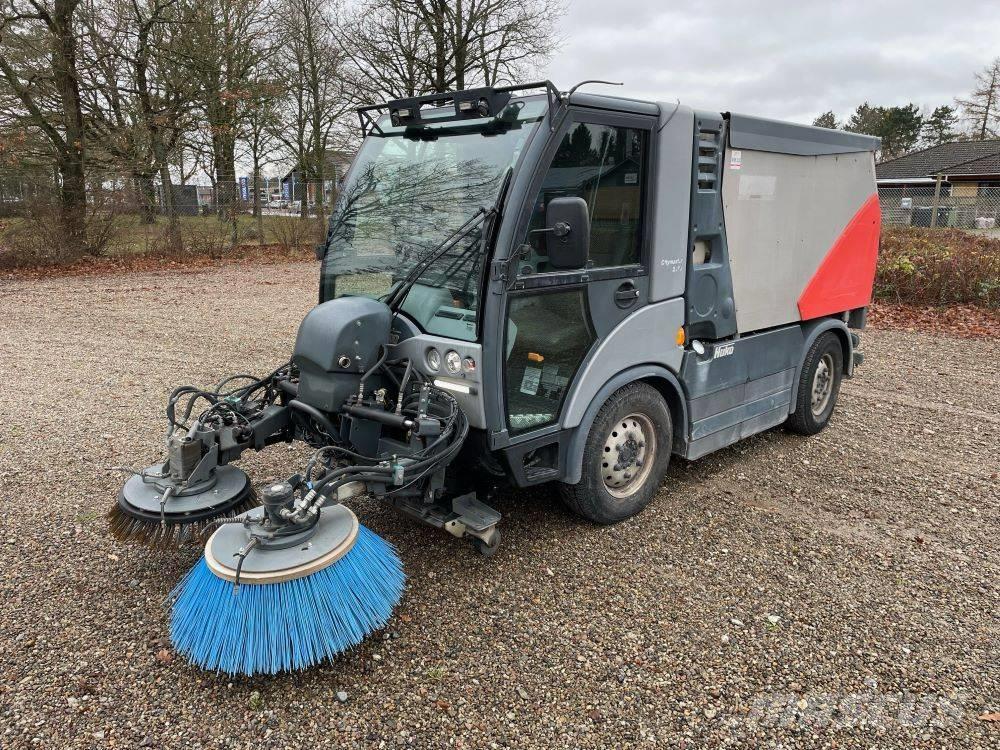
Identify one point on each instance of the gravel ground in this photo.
(833, 591)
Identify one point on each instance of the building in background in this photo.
(295, 188)
(954, 184)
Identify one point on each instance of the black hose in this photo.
(316, 414)
(374, 367)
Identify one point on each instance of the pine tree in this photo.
(827, 120)
(866, 119)
(898, 127)
(939, 127)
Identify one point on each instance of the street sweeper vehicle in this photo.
(519, 286)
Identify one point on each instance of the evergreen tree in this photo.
(827, 120)
(898, 127)
(939, 127)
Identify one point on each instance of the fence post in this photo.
(937, 200)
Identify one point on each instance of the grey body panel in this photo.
(783, 213)
(735, 395)
(337, 341)
(646, 337)
(416, 347)
(671, 202)
(763, 134)
(709, 292)
(614, 103)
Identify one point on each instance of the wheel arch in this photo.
(660, 378)
(812, 331)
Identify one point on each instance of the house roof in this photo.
(942, 159)
(987, 165)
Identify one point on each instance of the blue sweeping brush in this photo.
(293, 606)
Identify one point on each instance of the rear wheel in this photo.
(819, 385)
(625, 458)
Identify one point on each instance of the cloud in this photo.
(784, 59)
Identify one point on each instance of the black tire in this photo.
(642, 411)
(810, 417)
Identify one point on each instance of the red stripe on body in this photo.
(844, 279)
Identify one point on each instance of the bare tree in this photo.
(136, 93)
(260, 133)
(384, 51)
(407, 47)
(38, 63)
(224, 42)
(312, 56)
(982, 107)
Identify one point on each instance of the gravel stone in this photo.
(893, 641)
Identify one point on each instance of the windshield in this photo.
(408, 190)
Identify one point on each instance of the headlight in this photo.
(453, 362)
(433, 360)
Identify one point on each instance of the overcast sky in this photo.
(783, 59)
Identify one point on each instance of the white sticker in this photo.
(632, 178)
(757, 187)
(735, 159)
(530, 381)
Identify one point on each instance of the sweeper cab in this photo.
(519, 286)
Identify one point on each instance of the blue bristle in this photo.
(280, 627)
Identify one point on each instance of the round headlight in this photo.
(433, 360)
(453, 362)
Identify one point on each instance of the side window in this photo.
(605, 165)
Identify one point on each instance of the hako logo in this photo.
(723, 351)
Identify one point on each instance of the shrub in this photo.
(292, 233)
(938, 267)
(38, 236)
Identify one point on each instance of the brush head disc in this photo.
(332, 538)
(136, 515)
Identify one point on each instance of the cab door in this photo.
(554, 317)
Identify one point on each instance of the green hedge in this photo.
(938, 267)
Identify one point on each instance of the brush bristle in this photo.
(281, 627)
(126, 528)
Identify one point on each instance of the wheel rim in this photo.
(822, 385)
(629, 453)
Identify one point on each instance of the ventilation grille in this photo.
(708, 159)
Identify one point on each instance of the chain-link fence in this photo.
(272, 195)
(971, 207)
(126, 214)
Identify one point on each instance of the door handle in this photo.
(626, 295)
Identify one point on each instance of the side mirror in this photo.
(567, 223)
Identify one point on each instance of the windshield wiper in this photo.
(396, 297)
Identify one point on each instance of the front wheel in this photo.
(625, 457)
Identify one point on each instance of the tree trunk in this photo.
(172, 236)
(459, 46)
(226, 190)
(147, 198)
(73, 188)
(257, 213)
